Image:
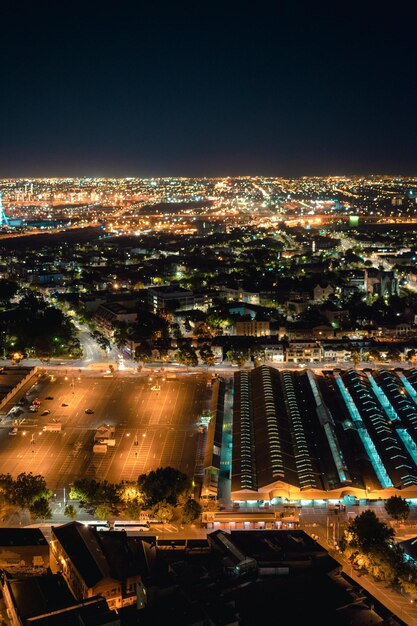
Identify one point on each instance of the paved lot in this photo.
(153, 427)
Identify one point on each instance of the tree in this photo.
(164, 483)
(92, 492)
(191, 511)
(27, 488)
(70, 511)
(202, 331)
(133, 509)
(374, 354)
(355, 356)
(102, 341)
(6, 487)
(122, 333)
(236, 357)
(367, 532)
(143, 352)
(84, 490)
(393, 354)
(108, 493)
(40, 509)
(163, 510)
(8, 290)
(207, 355)
(103, 512)
(187, 355)
(176, 331)
(150, 326)
(411, 355)
(397, 508)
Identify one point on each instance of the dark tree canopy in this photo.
(8, 290)
(397, 508)
(187, 355)
(369, 532)
(25, 490)
(143, 352)
(34, 327)
(90, 491)
(191, 511)
(40, 509)
(70, 511)
(164, 483)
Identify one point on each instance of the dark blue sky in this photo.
(123, 90)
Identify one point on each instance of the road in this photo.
(376, 260)
(327, 528)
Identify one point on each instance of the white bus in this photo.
(130, 525)
(97, 524)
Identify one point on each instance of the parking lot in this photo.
(153, 427)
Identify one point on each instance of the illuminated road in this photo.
(328, 528)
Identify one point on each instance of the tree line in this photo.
(368, 544)
(165, 492)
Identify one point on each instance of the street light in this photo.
(72, 383)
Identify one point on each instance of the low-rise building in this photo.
(274, 352)
(336, 316)
(239, 295)
(23, 547)
(303, 351)
(252, 328)
(107, 315)
(46, 601)
(333, 352)
(169, 298)
(94, 563)
(321, 292)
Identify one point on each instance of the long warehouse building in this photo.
(341, 434)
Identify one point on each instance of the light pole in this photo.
(72, 383)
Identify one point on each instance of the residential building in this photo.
(336, 352)
(94, 563)
(107, 315)
(169, 298)
(23, 547)
(274, 352)
(380, 282)
(253, 328)
(321, 292)
(336, 316)
(46, 601)
(303, 350)
(239, 295)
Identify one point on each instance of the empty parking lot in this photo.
(155, 424)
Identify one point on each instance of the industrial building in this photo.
(342, 434)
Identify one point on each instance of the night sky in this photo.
(307, 88)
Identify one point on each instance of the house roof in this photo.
(98, 555)
(81, 544)
(22, 537)
(36, 595)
